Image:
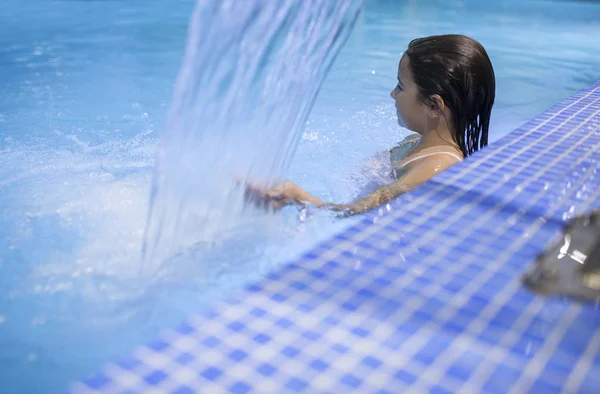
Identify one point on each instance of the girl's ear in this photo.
(436, 105)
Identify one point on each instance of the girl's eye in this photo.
(399, 88)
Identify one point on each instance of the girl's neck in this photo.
(436, 138)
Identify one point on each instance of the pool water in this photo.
(85, 90)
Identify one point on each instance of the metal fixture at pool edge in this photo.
(571, 266)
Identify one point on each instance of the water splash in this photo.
(250, 75)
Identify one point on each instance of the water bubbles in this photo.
(310, 136)
(540, 221)
(303, 215)
(394, 238)
(528, 348)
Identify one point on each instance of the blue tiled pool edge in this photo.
(421, 295)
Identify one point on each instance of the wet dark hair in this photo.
(458, 69)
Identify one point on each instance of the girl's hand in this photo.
(276, 197)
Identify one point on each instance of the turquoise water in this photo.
(85, 89)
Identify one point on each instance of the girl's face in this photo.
(412, 113)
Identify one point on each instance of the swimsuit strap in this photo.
(422, 156)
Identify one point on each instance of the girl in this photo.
(445, 93)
